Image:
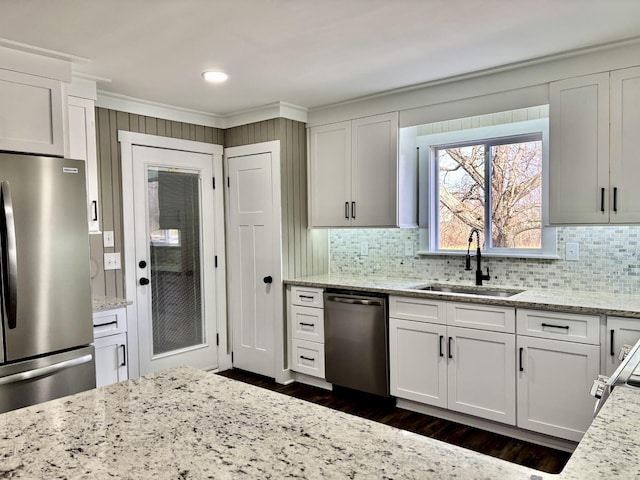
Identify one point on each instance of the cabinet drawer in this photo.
(307, 357)
(307, 323)
(109, 322)
(417, 309)
(483, 317)
(559, 326)
(307, 296)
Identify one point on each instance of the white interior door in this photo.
(255, 279)
(174, 258)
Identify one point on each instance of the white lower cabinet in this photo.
(110, 341)
(620, 332)
(306, 326)
(481, 379)
(554, 378)
(418, 365)
(111, 359)
(462, 369)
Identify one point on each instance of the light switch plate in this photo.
(112, 261)
(572, 251)
(107, 239)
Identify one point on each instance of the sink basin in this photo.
(471, 290)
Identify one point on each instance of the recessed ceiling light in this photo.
(215, 77)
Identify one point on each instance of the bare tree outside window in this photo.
(513, 190)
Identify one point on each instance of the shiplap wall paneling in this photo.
(108, 122)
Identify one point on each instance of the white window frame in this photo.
(429, 201)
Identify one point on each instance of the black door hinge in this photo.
(214, 183)
(217, 339)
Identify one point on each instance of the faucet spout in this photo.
(480, 277)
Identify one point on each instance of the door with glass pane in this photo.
(174, 223)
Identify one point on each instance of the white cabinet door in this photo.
(579, 150)
(481, 379)
(82, 146)
(31, 118)
(111, 359)
(554, 378)
(374, 171)
(620, 332)
(417, 361)
(625, 145)
(330, 175)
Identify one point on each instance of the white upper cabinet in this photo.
(594, 122)
(353, 172)
(31, 117)
(82, 146)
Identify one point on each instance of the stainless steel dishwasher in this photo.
(356, 339)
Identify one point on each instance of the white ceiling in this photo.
(309, 53)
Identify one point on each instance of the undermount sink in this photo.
(471, 290)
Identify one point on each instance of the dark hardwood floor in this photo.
(384, 411)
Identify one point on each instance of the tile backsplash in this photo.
(609, 260)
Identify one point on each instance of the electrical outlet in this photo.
(107, 239)
(364, 248)
(572, 252)
(112, 261)
(408, 249)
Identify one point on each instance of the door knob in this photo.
(267, 279)
(144, 281)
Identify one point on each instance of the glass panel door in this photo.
(175, 259)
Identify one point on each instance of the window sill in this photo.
(532, 256)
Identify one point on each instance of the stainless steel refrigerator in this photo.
(46, 327)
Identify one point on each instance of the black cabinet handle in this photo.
(303, 324)
(441, 352)
(521, 368)
(144, 281)
(124, 356)
(611, 349)
(346, 210)
(307, 358)
(449, 348)
(353, 209)
(94, 208)
(268, 279)
(615, 199)
(602, 200)
(565, 327)
(115, 322)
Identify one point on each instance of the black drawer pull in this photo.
(307, 358)
(115, 322)
(565, 327)
(124, 355)
(303, 324)
(310, 297)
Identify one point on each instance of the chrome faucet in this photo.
(479, 275)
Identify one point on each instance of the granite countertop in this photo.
(108, 303)
(542, 299)
(185, 423)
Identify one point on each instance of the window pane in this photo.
(516, 184)
(461, 172)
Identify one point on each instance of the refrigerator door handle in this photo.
(9, 255)
(41, 372)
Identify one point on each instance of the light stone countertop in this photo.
(184, 423)
(541, 299)
(108, 303)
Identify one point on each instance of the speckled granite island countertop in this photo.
(108, 303)
(185, 423)
(600, 303)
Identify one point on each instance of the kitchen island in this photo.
(186, 423)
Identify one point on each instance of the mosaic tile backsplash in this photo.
(609, 260)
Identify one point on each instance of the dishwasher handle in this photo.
(355, 301)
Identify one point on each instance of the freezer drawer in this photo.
(42, 379)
